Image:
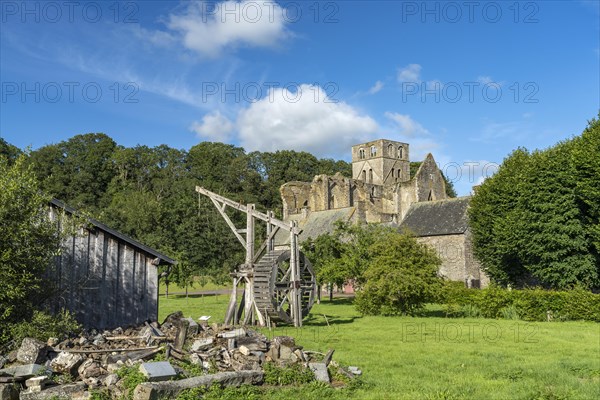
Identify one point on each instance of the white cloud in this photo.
(214, 127)
(376, 88)
(407, 126)
(307, 120)
(484, 79)
(410, 73)
(208, 28)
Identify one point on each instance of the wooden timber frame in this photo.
(245, 274)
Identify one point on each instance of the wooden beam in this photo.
(241, 207)
(267, 242)
(228, 220)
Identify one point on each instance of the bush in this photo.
(43, 326)
(527, 304)
(401, 278)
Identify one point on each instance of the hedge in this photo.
(527, 304)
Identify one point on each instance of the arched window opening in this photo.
(370, 176)
(364, 175)
(361, 153)
(373, 151)
(392, 174)
(391, 150)
(400, 152)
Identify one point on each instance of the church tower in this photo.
(381, 162)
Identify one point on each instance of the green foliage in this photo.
(27, 244)
(402, 276)
(536, 221)
(131, 377)
(291, 375)
(42, 326)
(528, 304)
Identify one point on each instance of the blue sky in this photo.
(466, 81)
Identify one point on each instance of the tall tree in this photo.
(535, 222)
(27, 243)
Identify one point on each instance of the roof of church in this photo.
(436, 218)
(317, 223)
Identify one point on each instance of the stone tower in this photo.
(381, 162)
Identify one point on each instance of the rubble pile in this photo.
(173, 356)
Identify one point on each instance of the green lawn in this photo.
(439, 358)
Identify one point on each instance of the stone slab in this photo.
(168, 390)
(23, 371)
(240, 332)
(202, 344)
(158, 371)
(71, 391)
(320, 371)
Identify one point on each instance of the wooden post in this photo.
(249, 292)
(295, 300)
(231, 308)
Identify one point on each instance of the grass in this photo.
(433, 357)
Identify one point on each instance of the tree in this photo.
(10, 152)
(535, 222)
(401, 278)
(27, 244)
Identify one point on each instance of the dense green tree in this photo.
(9, 151)
(535, 222)
(78, 170)
(401, 278)
(27, 243)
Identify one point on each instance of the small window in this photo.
(364, 175)
(370, 176)
(361, 153)
(400, 152)
(399, 173)
(373, 151)
(392, 174)
(391, 150)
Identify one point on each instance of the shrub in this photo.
(527, 304)
(401, 278)
(43, 326)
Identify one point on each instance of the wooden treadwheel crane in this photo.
(279, 284)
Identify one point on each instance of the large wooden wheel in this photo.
(273, 286)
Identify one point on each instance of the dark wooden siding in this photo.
(104, 280)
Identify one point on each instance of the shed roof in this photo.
(134, 243)
(436, 218)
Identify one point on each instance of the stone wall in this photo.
(451, 249)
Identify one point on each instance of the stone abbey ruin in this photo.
(382, 190)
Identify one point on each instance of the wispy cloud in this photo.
(376, 87)
(410, 73)
(214, 127)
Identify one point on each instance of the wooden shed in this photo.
(104, 277)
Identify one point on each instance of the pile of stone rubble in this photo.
(227, 355)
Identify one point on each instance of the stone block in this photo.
(235, 333)
(32, 351)
(286, 353)
(158, 371)
(202, 344)
(23, 371)
(110, 380)
(355, 371)
(90, 368)
(244, 350)
(66, 363)
(320, 371)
